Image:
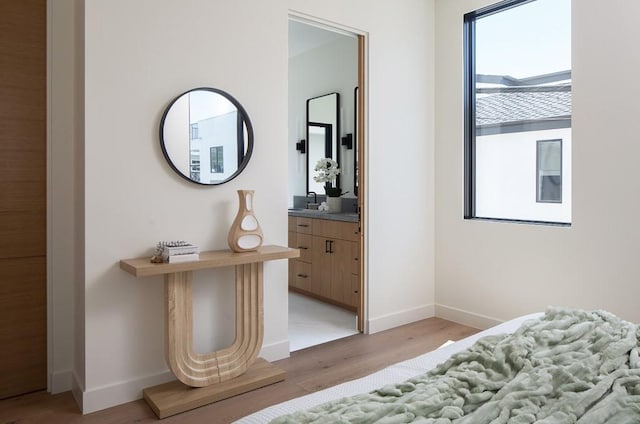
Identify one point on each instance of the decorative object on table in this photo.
(326, 172)
(245, 234)
(175, 251)
(323, 207)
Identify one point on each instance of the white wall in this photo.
(485, 271)
(132, 59)
(327, 69)
(135, 63)
(506, 176)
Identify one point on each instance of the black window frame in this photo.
(216, 159)
(538, 189)
(469, 74)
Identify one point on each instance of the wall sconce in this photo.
(347, 141)
(301, 147)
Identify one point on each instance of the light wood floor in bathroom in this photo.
(308, 370)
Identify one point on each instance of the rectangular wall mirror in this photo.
(323, 129)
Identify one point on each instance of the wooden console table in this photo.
(210, 377)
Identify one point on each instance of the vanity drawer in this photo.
(303, 225)
(336, 229)
(292, 239)
(303, 242)
(302, 275)
(292, 224)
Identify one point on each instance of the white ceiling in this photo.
(303, 37)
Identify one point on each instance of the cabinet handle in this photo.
(303, 276)
(303, 247)
(328, 246)
(303, 225)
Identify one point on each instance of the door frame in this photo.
(64, 220)
(362, 140)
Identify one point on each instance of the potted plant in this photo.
(326, 172)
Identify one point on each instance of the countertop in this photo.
(312, 213)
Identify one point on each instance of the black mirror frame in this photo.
(243, 119)
(330, 145)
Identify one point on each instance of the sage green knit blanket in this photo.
(569, 366)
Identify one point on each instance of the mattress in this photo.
(393, 374)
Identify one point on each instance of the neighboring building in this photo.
(213, 142)
(523, 148)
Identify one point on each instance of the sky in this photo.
(527, 40)
(206, 104)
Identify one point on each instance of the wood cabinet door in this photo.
(352, 292)
(331, 266)
(340, 252)
(23, 329)
(321, 267)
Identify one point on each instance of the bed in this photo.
(563, 366)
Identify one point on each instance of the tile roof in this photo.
(511, 104)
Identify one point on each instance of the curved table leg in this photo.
(199, 370)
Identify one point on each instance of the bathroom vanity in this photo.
(329, 264)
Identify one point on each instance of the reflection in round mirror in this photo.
(206, 136)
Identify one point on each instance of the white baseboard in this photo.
(60, 381)
(275, 351)
(397, 319)
(118, 393)
(471, 319)
(76, 389)
(99, 398)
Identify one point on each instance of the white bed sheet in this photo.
(395, 373)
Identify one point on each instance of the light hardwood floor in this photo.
(308, 370)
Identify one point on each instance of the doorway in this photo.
(23, 330)
(326, 295)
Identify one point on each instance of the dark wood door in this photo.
(23, 349)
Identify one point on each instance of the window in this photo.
(549, 171)
(194, 131)
(194, 167)
(518, 112)
(217, 160)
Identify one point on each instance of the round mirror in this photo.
(206, 136)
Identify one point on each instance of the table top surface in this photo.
(143, 267)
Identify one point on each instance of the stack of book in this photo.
(180, 252)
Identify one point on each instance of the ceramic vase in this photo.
(245, 234)
(335, 204)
